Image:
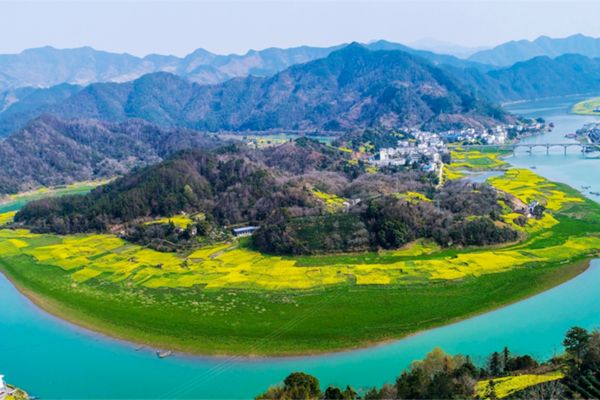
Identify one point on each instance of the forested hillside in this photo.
(49, 151)
(303, 194)
(537, 78)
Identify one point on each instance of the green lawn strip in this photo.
(273, 323)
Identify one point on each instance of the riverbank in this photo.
(485, 294)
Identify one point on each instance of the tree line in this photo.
(443, 376)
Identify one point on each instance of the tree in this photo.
(547, 390)
(591, 359)
(297, 386)
(495, 366)
(349, 394)
(302, 386)
(506, 358)
(576, 342)
(333, 393)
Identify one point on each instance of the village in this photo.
(589, 133)
(429, 150)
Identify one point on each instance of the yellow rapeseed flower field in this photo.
(7, 217)
(233, 265)
(506, 386)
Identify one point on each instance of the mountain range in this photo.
(537, 78)
(512, 52)
(71, 132)
(350, 88)
(47, 66)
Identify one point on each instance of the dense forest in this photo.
(49, 151)
(307, 197)
(443, 376)
(460, 213)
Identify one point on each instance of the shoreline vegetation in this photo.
(573, 374)
(231, 300)
(587, 107)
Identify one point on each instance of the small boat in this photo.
(533, 167)
(571, 135)
(585, 187)
(164, 354)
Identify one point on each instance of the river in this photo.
(53, 359)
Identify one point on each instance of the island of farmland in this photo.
(231, 299)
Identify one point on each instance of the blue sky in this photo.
(174, 27)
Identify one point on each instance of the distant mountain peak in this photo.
(509, 53)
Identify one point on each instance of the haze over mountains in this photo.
(512, 52)
(48, 66)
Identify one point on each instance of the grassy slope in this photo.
(288, 323)
(277, 322)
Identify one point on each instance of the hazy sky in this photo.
(174, 27)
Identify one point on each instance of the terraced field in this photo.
(230, 299)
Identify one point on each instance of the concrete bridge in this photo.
(585, 147)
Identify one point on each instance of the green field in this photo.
(229, 299)
(13, 202)
(587, 107)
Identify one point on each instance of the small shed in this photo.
(244, 231)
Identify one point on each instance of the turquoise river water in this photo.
(53, 359)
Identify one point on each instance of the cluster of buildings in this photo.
(497, 135)
(500, 134)
(427, 148)
(424, 149)
(590, 132)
